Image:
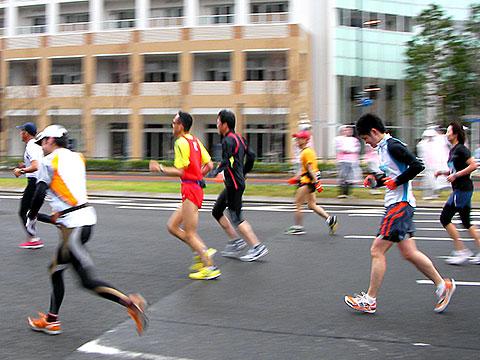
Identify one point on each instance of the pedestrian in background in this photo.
(31, 161)
(372, 163)
(427, 151)
(347, 149)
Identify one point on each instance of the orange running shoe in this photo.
(359, 302)
(446, 296)
(41, 324)
(136, 310)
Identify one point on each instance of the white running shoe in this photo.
(459, 257)
(475, 260)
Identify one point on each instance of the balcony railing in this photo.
(160, 89)
(112, 89)
(166, 22)
(216, 19)
(72, 27)
(119, 24)
(269, 18)
(22, 91)
(211, 87)
(65, 90)
(265, 87)
(31, 29)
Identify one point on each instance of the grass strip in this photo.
(166, 187)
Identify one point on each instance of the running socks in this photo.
(440, 289)
(52, 317)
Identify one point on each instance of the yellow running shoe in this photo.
(206, 273)
(197, 262)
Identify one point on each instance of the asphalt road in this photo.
(289, 306)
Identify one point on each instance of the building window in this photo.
(167, 12)
(158, 141)
(125, 18)
(390, 22)
(22, 73)
(264, 67)
(218, 70)
(268, 141)
(118, 138)
(66, 72)
(214, 142)
(268, 8)
(113, 69)
(161, 69)
(355, 93)
(76, 18)
(407, 24)
(223, 14)
(356, 19)
(390, 92)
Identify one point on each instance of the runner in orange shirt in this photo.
(308, 183)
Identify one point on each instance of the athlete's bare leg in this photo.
(422, 262)
(228, 228)
(247, 233)
(300, 197)
(453, 232)
(188, 216)
(378, 252)
(312, 205)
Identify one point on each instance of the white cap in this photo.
(55, 131)
(429, 132)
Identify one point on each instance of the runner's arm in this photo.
(227, 153)
(401, 154)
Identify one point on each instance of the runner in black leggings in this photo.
(237, 161)
(31, 158)
(461, 164)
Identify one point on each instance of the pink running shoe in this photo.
(34, 243)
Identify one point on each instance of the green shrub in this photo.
(112, 165)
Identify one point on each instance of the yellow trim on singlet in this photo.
(182, 152)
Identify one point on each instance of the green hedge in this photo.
(142, 165)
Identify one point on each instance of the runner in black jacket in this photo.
(237, 161)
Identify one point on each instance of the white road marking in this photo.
(16, 197)
(420, 238)
(421, 344)
(437, 229)
(461, 283)
(93, 347)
